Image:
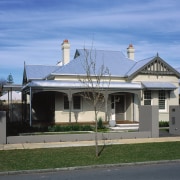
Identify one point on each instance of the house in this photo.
(12, 96)
(52, 94)
(11, 100)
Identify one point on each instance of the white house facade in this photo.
(53, 93)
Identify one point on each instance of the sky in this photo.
(32, 31)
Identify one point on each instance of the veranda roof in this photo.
(78, 84)
(158, 86)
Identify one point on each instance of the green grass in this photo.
(13, 160)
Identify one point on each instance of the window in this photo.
(147, 97)
(76, 102)
(66, 102)
(162, 100)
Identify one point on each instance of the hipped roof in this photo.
(115, 61)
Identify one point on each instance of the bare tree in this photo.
(95, 81)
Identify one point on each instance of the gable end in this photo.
(156, 66)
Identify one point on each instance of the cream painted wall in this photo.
(172, 97)
(86, 114)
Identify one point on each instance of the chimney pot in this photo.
(66, 41)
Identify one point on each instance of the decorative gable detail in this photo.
(157, 67)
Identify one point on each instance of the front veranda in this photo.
(59, 105)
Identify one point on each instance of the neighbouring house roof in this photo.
(12, 87)
(158, 86)
(12, 94)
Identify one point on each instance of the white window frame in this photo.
(165, 100)
(148, 99)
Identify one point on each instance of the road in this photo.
(168, 171)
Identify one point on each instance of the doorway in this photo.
(118, 106)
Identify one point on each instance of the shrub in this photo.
(87, 128)
(100, 123)
(72, 127)
(163, 124)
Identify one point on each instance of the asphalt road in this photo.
(168, 171)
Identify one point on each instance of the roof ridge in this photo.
(131, 68)
(39, 65)
(101, 50)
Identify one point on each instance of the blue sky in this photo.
(32, 31)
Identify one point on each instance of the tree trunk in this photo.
(96, 135)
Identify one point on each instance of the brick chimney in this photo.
(130, 52)
(65, 52)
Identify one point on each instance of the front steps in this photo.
(125, 127)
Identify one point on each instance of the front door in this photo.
(120, 107)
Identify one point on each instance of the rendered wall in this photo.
(2, 127)
(174, 120)
(76, 137)
(172, 97)
(86, 113)
(149, 119)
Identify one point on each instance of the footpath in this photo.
(86, 143)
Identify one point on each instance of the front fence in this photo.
(148, 128)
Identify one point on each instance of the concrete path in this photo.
(86, 143)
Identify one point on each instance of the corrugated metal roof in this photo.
(12, 87)
(112, 85)
(116, 62)
(78, 84)
(39, 71)
(158, 85)
(139, 65)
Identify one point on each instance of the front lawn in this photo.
(13, 160)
